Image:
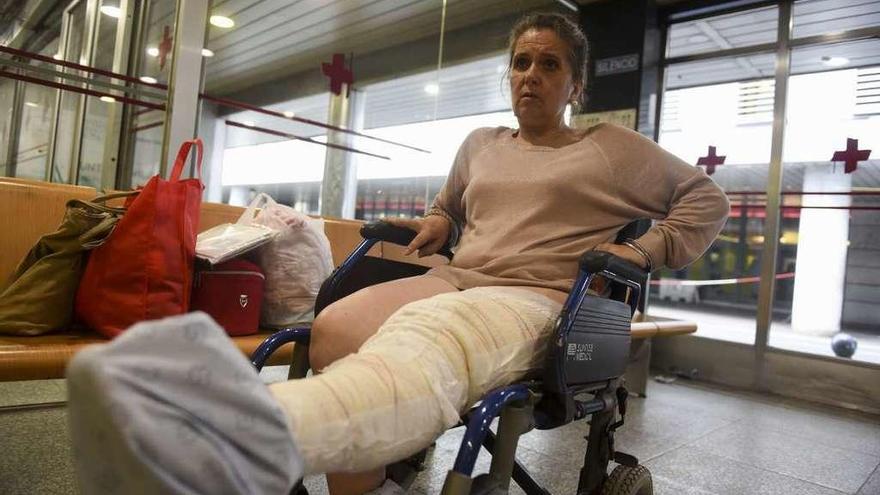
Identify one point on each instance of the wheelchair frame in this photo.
(546, 404)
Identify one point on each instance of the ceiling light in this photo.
(222, 21)
(207, 53)
(249, 123)
(148, 79)
(108, 99)
(432, 88)
(289, 114)
(152, 51)
(835, 61)
(111, 10)
(57, 56)
(31, 104)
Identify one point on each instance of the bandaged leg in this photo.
(172, 406)
(408, 383)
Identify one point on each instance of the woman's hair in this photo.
(567, 30)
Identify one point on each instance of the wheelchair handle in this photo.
(402, 236)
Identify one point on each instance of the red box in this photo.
(232, 293)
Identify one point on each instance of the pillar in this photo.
(820, 269)
(339, 185)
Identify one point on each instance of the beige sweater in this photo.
(527, 213)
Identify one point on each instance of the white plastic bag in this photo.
(229, 240)
(296, 262)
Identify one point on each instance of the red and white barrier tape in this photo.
(722, 281)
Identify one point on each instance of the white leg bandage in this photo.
(410, 382)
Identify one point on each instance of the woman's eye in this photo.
(551, 64)
(521, 63)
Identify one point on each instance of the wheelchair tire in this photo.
(625, 480)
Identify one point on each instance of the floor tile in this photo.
(694, 471)
(872, 486)
(765, 448)
(36, 456)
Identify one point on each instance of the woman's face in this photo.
(541, 81)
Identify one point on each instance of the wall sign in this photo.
(617, 65)
(625, 118)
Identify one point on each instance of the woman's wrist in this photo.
(642, 252)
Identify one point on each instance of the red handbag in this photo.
(144, 270)
(232, 293)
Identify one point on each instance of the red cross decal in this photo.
(711, 160)
(337, 73)
(851, 156)
(164, 47)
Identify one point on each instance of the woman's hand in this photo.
(432, 233)
(625, 252)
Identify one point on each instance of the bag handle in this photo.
(250, 213)
(182, 154)
(107, 197)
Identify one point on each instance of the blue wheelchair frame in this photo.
(602, 324)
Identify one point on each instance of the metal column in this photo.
(15, 128)
(339, 185)
(182, 105)
(774, 188)
(124, 30)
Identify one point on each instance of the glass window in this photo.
(740, 29)
(829, 268)
(720, 291)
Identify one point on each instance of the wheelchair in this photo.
(582, 375)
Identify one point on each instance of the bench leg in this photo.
(639, 367)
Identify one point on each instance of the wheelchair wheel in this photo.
(625, 480)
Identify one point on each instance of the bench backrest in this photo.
(30, 209)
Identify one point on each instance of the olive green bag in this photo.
(39, 296)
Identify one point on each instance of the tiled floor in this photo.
(695, 439)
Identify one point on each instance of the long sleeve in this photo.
(690, 208)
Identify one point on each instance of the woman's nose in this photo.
(531, 74)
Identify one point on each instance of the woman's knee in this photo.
(329, 340)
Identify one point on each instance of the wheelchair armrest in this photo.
(384, 231)
(599, 261)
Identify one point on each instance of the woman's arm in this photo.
(652, 182)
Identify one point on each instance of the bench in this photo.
(33, 208)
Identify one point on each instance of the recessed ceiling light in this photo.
(31, 104)
(432, 88)
(207, 53)
(108, 99)
(57, 56)
(111, 10)
(222, 21)
(152, 51)
(289, 114)
(698, 38)
(249, 123)
(148, 79)
(835, 61)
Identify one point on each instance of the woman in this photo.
(401, 360)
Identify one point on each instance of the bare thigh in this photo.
(341, 328)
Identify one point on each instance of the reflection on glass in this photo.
(740, 29)
(70, 101)
(812, 17)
